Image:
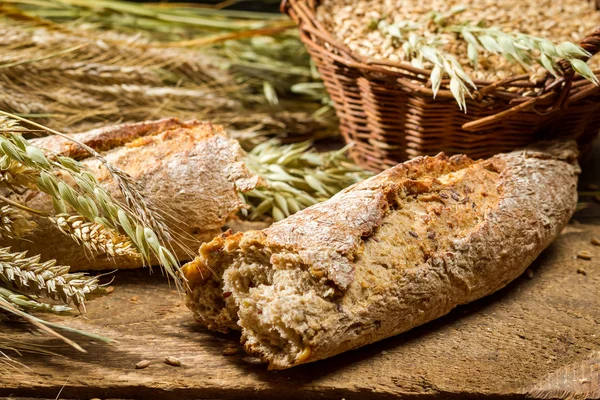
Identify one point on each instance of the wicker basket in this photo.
(389, 118)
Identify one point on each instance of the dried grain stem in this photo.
(95, 237)
(44, 279)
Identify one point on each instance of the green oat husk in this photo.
(515, 47)
(297, 177)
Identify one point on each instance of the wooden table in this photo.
(538, 337)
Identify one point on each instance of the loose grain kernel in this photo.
(231, 351)
(172, 361)
(584, 255)
(142, 364)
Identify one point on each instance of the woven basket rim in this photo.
(391, 115)
(349, 58)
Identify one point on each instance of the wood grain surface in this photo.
(539, 338)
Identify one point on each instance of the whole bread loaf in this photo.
(385, 255)
(191, 169)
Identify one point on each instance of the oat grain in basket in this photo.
(466, 40)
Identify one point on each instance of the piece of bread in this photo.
(385, 255)
(192, 169)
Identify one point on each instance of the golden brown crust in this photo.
(110, 137)
(388, 254)
(352, 216)
(191, 168)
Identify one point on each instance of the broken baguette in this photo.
(385, 255)
(191, 169)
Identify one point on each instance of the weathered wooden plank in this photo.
(539, 335)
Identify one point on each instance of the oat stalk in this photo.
(526, 50)
(420, 50)
(424, 52)
(297, 176)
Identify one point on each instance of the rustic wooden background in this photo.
(537, 337)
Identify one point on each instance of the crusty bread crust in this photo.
(192, 169)
(386, 255)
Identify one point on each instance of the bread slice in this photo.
(386, 255)
(192, 169)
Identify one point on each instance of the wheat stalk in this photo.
(287, 127)
(9, 344)
(79, 76)
(14, 223)
(111, 77)
(14, 174)
(297, 177)
(93, 236)
(31, 277)
(47, 327)
(139, 219)
(29, 303)
(99, 223)
(87, 77)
